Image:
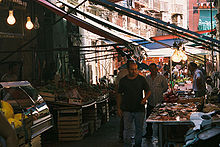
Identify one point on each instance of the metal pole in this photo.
(218, 37)
(171, 77)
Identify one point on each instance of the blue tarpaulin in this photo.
(156, 45)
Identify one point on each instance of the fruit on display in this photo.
(170, 96)
(19, 116)
(182, 80)
(7, 109)
(15, 122)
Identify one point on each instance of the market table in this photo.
(169, 116)
(162, 124)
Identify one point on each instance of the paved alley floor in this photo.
(106, 136)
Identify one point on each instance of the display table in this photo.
(173, 119)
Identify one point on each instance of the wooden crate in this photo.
(48, 96)
(69, 124)
(36, 141)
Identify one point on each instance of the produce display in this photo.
(170, 96)
(79, 94)
(173, 111)
(182, 80)
(14, 119)
(7, 109)
(210, 107)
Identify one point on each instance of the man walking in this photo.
(158, 85)
(130, 103)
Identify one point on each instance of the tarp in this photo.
(165, 37)
(168, 52)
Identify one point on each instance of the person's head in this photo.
(192, 66)
(130, 61)
(153, 68)
(166, 75)
(132, 69)
(208, 80)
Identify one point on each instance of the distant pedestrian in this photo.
(199, 86)
(130, 104)
(158, 85)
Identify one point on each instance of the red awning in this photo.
(83, 24)
(165, 37)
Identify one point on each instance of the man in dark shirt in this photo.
(130, 103)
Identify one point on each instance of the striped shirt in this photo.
(157, 87)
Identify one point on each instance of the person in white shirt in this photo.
(198, 80)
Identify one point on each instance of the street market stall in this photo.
(78, 109)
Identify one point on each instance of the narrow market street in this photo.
(106, 136)
(68, 67)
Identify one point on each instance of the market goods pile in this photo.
(170, 96)
(173, 111)
(13, 119)
(78, 93)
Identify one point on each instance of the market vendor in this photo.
(199, 86)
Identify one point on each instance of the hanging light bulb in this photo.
(176, 57)
(183, 55)
(36, 23)
(11, 19)
(29, 24)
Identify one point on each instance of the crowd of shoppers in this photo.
(131, 102)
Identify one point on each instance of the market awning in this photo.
(165, 37)
(159, 44)
(96, 29)
(165, 26)
(168, 52)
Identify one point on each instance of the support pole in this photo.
(218, 37)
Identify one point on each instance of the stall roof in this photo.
(165, 37)
(94, 28)
(168, 52)
(165, 26)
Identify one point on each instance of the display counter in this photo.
(26, 101)
(173, 120)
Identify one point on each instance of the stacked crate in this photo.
(36, 141)
(90, 116)
(48, 96)
(69, 123)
